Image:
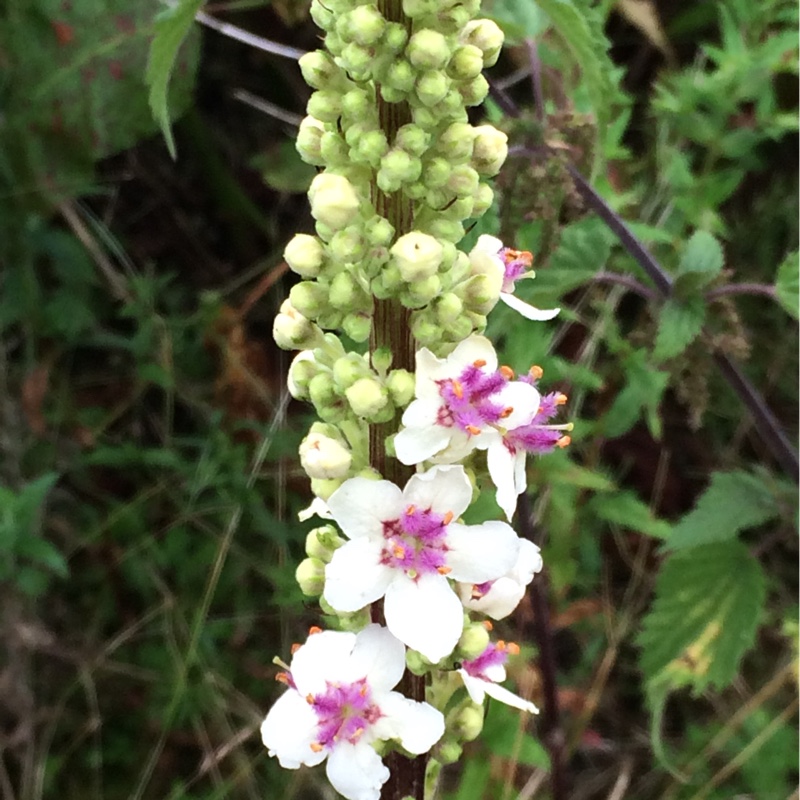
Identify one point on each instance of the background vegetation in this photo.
(148, 476)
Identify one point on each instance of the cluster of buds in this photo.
(403, 173)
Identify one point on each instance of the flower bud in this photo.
(357, 325)
(348, 369)
(310, 299)
(365, 24)
(381, 359)
(323, 17)
(394, 37)
(357, 60)
(293, 331)
(482, 200)
(319, 69)
(453, 19)
(323, 395)
(480, 293)
(474, 640)
(419, 8)
(474, 92)
(388, 282)
(310, 576)
(428, 49)
(486, 36)
(367, 397)
(325, 487)
(333, 200)
(437, 171)
(302, 369)
(448, 752)
(370, 148)
(460, 209)
(459, 329)
(357, 103)
(417, 256)
(432, 87)
(468, 723)
(416, 663)
(304, 255)
(378, 230)
(426, 118)
(448, 229)
(347, 246)
(424, 328)
(333, 149)
(413, 139)
(421, 292)
(323, 542)
(325, 105)
(308, 141)
(456, 142)
(448, 307)
(463, 181)
(489, 150)
(400, 384)
(324, 457)
(398, 167)
(400, 75)
(466, 63)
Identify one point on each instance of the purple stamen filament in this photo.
(467, 399)
(344, 711)
(416, 542)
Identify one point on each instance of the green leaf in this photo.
(505, 737)
(704, 617)
(39, 550)
(733, 502)
(679, 324)
(701, 262)
(628, 511)
(787, 283)
(283, 169)
(171, 28)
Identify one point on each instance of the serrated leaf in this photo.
(628, 511)
(703, 255)
(171, 28)
(704, 617)
(679, 324)
(642, 393)
(733, 502)
(787, 283)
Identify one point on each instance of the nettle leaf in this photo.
(701, 262)
(173, 25)
(704, 617)
(625, 509)
(787, 283)
(679, 324)
(733, 502)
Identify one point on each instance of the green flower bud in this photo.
(319, 69)
(401, 384)
(452, 106)
(412, 139)
(333, 42)
(354, 622)
(371, 148)
(416, 663)
(419, 8)
(415, 191)
(463, 181)
(325, 105)
(474, 640)
(466, 63)
(448, 229)
(461, 209)
(322, 391)
(456, 142)
(357, 103)
(322, 16)
(325, 487)
(482, 200)
(474, 92)
(310, 576)
(453, 19)
(421, 292)
(432, 87)
(324, 456)
(357, 325)
(367, 396)
(365, 25)
(304, 255)
(400, 75)
(424, 328)
(397, 165)
(392, 95)
(379, 231)
(381, 360)
(302, 369)
(308, 141)
(468, 723)
(436, 172)
(323, 542)
(348, 369)
(333, 200)
(480, 293)
(486, 36)
(417, 256)
(447, 308)
(426, 118)
(490, 149)
(428, 49)
(333, 148)
(294, 331)
(395, 37)
(357, 60)
(309, 298)
(347, 246)
(448, 752)
(458, 329)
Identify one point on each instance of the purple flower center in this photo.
(516, 264)
(467, 399)
(344, 711)
(416, 543)
(493, 655)
(537, 437)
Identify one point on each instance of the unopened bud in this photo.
(325, 105)
(348, 369)
(480, 293)
(357, 325)
(302, 369)
(319, 69)
(365, 24)
(310, 299)
(448, 307)
(432, 87)
(323, 542)
(401, 384)
(294, 331)
(413, 139)
(456, 142)
(486, 36)
(421, 292)
(310, 576)
(333, 148)
(482, 200)
(474, 92)
(490, 150)
(474, 640)
(448, 752)
(466, 63)
(419, 8)
(325, 487)
(397, 168)
(308, 141)
(400, 75)
(437, 171)
(367, 397)
(417, 256)
(463, 181)
(468, 723)
(304, 255)
(333, 200)
(324, 457)
(428, 49)
(379, 231)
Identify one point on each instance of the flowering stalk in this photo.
(408, 582)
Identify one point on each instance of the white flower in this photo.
(489, 255)
(497, 599)
(458, 401)
(403, 544)
(339, 702)
(482, 674)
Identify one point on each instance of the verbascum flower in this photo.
(482, 675)
(340, 702)
(404, 545)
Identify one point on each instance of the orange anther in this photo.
(356, 734)
(363, 690)
(479, 363)
(473, 429)
(536, 372)
(564, 441)
(398, 551)
(487, 623)
(410, 510)
(458, 389)
(506, 412)
(310, 699)
(314, 629)
(561, 399)
(476, 593)
(501, 645)
(444, 570)
(507, 372)
(282, 677)
(513, 648)
(295, 647)
(448, 518)
(316, 747)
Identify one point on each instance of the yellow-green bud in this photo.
(381, 359)
(370, 148)
(461, 209)
(310, 576)
(474, 640)
(319, 69)
(325, 398)
(486, 36)
(489, 150)
(344, 292)
(425, 329)
(458, 329)
(310, 299)
(466, 63)
(308, 141)
(417, 256)
(400, 384)
(357, 103)
(456, 142)
(448, 229)
(463, 181)
(415, 191)
(448, 752)
(437, 171)
(395, 37)
(482, 199)
(480, 293)
(397, 168)
(323, 17)
(367, 397)
(325, 487)
(474, 92)
(333, 148)
(448, 307)
(322, 542)
(304, 255)
(325, 105)
(379, 230)
(400, 75)
(357, 60)
(302, 369)
(293, 330)
(357, 325)
(416, 663)
(428, 49)
(468, 723)
(348, 245)
(333, 200)
(426, 118)
(421, 292)
(348, 369)
(365, 25)
(324, 457)
(412, 139)
(419, 8)
(432, 87)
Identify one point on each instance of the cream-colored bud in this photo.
(367, 397)
(489, 149)
(309, 137)
(310, 576)
(334, 201)
(304, 255)
(485, 35)
(292, 331)
(324, 457)
(417, 255)
(302, 369)
(428, 49)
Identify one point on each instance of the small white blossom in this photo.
(339, 702)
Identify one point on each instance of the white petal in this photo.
(418, 726)
(289, 730)
(355, 576)
(472, 349)
(425, 614)
(379, 657)
(488, 244)
(523, 398)
(441, 489)
(422, 413)
(360, 506)
(318, 508)
(415, 445)
(529, 562)
(527, 311)
(476, 688)
(499, 601)
(520, 475)
(429, 369)
(501, 462)
(324, 656)
(509, 698)
(356, 771)
(481, 553)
